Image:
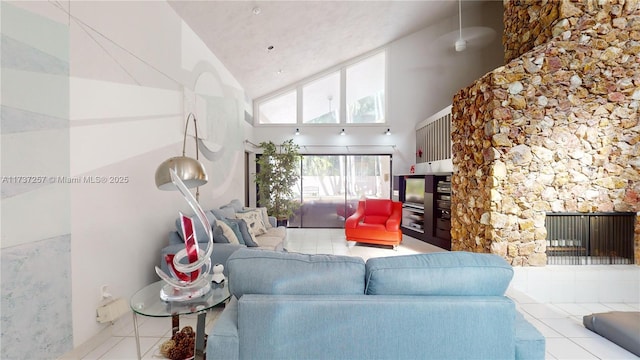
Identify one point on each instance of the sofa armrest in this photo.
(530, 343)
(223, 342)
(394, 220)
(353, 220)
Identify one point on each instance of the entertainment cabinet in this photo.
(428, 217)
(413, 218)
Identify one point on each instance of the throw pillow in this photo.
(236, 205)
(224, 212)
(218, 237)
(247, 234)
(235, 227)
(265, 217)
(228, 233)
(254, 220)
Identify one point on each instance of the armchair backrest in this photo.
(377, 211)
(378, 207)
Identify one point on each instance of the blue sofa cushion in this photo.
(374, 327)
(244, 230)
(236, 205)
(259, 271)
(224, 213)
(443, 273)
(235, 228)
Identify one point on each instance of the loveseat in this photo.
(234, 227)
(427, 306)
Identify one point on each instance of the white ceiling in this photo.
(307, 36)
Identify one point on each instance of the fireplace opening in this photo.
(590, 239)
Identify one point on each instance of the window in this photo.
(279, 110)
(321, 101)
(350, 94)
(331, 185)
(365, 90)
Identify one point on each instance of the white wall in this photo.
(133, 70)
(127, 116)
(423, 75)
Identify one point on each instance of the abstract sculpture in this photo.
(189, 267)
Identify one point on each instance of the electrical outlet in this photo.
(104, 291)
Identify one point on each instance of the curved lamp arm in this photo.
(184, 139)
(190, 171)
(184, 143)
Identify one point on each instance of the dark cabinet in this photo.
(443, 208)
(427, 216)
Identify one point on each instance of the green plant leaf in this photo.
(278, 173)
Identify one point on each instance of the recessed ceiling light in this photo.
(279, 72)
(256, 10)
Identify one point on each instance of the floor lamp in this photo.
(189, 170)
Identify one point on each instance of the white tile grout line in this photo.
(572, 339)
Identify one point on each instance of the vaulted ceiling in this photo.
(271, 44)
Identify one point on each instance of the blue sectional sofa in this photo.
(427, 306)
(274, 237)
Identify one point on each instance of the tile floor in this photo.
(559, 322)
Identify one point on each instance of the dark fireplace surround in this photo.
(555, 130)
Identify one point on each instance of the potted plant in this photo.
(278, 171)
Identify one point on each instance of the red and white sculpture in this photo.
(189, 267)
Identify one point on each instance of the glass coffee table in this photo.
(147, 302)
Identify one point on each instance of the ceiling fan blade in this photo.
(475, 36)
(478, 36)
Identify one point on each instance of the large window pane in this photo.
(332, 185)
(321, 101)
(365, 90)
(279, 110)
(369, 176)
(357, 90)
(322, 192)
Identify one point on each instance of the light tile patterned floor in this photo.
(560, 322)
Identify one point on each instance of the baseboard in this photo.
(579, 283)
(85, 348)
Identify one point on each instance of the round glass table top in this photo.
(147, 301)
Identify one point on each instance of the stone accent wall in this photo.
(532, 21)
(555, 129)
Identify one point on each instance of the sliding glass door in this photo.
(331, 185)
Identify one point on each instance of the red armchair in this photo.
(376, 221)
